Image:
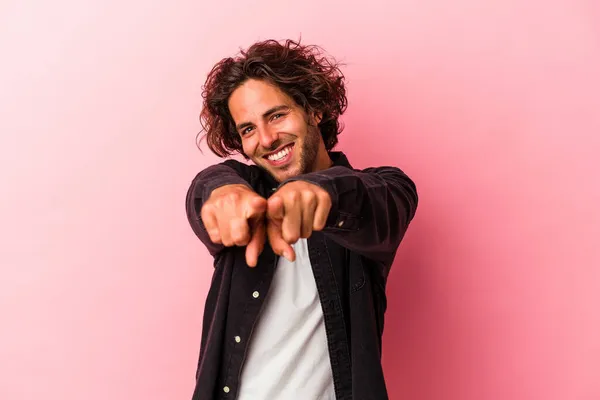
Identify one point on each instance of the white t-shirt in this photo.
(287, 356)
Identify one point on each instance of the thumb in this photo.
(255, 207)
(275, 209)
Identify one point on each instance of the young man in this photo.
(302, 242)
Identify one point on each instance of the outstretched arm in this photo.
(368, 212)
(223, 209)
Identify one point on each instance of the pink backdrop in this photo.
(493, 110)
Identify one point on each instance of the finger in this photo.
(292, 220)
(321, 211)
(224, 223)
(209, 219)
(278, 244)
(255, 207)
(309, 205)
(256, 244)
(275, 209)
(239, 231)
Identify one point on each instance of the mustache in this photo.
(275, 145)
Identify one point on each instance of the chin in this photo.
(281, 175)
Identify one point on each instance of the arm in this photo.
(230, 172)
(370, 209)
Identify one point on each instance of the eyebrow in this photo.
(270, 111)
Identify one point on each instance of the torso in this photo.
(288, 357)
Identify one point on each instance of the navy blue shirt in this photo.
(351, 259)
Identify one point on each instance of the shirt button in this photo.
(226, 389)
(341, 223)
(238, 339)
(255, 295)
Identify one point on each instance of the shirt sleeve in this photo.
(226, 173)
(371, 209)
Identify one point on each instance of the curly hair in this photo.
(311, 79)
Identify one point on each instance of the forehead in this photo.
(255, 97)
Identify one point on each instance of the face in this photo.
(277, 134)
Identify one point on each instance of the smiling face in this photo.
(277, 134)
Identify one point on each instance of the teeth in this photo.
(279, 155)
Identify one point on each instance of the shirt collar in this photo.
(339, 159)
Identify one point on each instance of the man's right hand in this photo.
(234, 215)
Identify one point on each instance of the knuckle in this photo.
(254, 195)
(219, 201)
(293, 196)
(324, 198)
(205, 212)
(235, 236)
(310, 198)
(233, 197)
(240, 238)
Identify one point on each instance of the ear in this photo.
(317, 116)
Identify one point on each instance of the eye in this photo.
(247, 130)
(277, 116)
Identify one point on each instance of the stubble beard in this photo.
(310, 150)
(308, 156)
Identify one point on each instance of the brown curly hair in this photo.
(311, 79)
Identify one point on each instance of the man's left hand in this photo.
(296, 210)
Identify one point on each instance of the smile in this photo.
(282, 156)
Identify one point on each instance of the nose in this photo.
(267, 137)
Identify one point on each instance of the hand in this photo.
(234, 215)
(296, 210)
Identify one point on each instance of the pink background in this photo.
(492, 107)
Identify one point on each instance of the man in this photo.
(302, 242)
